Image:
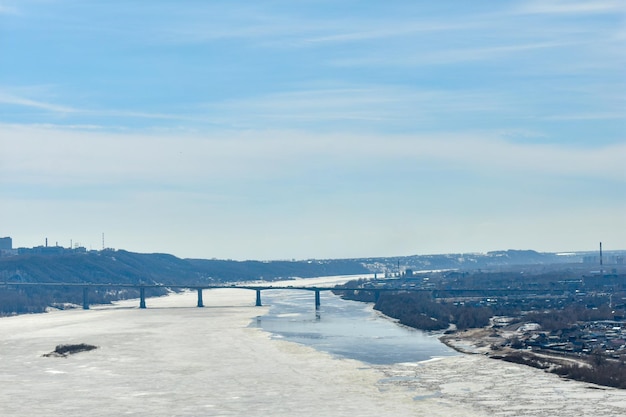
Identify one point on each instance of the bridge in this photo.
(198, 288)
(258, 288)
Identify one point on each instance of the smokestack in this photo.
(600, 258)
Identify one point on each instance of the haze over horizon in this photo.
(279, 130)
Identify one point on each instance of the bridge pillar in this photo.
(142, 297)
(376, 296)
(317, 299)
(200, 302)
(258, 298)
(85, 298)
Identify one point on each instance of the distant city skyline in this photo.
(280, 130)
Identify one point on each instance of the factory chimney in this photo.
(601, 272)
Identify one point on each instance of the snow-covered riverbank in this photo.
(175, 359)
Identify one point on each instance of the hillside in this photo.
(123, 267)
(120, 266)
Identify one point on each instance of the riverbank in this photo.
(495, 344)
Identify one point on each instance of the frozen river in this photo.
(174, 359)
(348, 329)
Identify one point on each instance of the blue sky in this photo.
(313, 129)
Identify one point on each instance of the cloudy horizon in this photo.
(277, 131)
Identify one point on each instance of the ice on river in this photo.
(174, 359)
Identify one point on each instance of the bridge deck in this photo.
(258, 288)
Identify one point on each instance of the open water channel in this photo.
(345, 328)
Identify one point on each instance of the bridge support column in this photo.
(376, 296)
(317, 299)
(258, 298)
(142, 297)
(200, 302)
(85, 298)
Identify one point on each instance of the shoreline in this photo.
(489, 343)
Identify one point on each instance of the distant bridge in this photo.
(258, 288)
(199, 289)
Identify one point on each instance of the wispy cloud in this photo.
(292, 28)
(450, 55)
(571, 7)
(588, 116)
(11, 10)
(368, 30)
(10, 99)
(352, 106)
(62, 156)
(6, 98)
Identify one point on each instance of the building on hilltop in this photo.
(6, 247)
(51, 250)
(6, 243)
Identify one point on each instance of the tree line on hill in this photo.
(420, 311)
(122, 267)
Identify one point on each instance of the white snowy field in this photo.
(173, 359)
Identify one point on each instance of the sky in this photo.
(313, 129)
